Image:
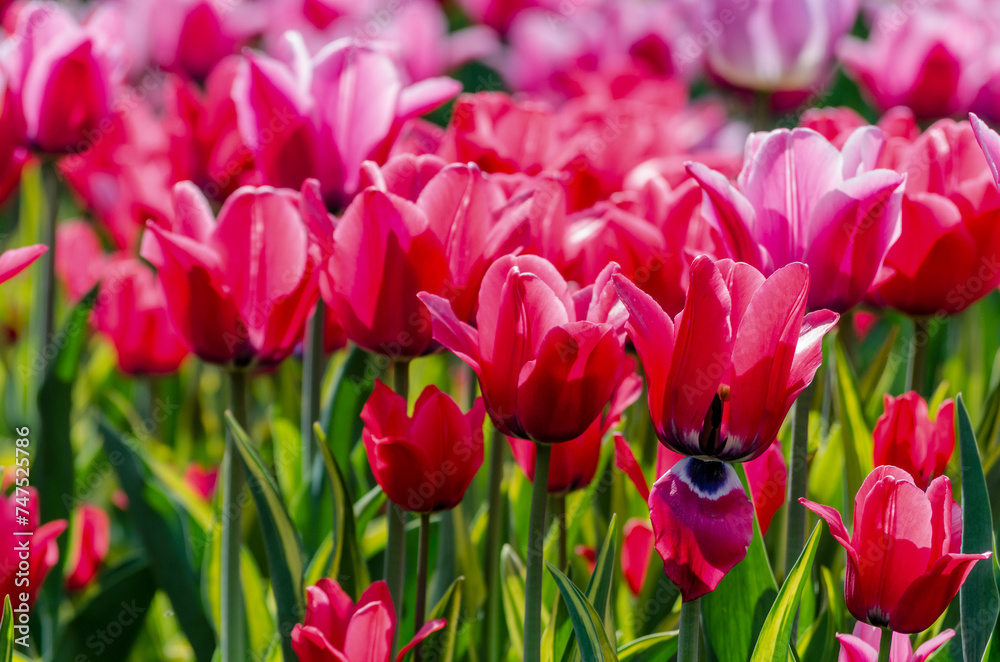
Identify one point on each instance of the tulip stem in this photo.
(916, 366)
(885, 645)
(395, 551)
(559, 513)
(798, 478)
(422, 551)
(536, 547)
(232, 637)
(312, 384)
(495, 510)
(687, 641)
(50, 180)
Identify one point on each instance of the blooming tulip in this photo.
(547, 363)
(777, 44)
(327, 114)
(945, 258)
(337, 630)
(63, 77)
(904, 563)
(43, 548)
(802, 199)
(239, 290)
(905, 437)
(424, 463)
(863, 645)
(89, 544)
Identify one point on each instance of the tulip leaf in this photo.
(7, 632)
(354, 382)
(978, 597)
(592, 640)
(599, 587)
(442, 647)
(347, 564)
(857, 438)
(651, 648)
(281, 540)
(875, 373)
(986, 433)
(772, 644)
(107, 626)
(512, 581)
(734, 613)
(166, 537)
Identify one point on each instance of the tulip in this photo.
(574, 462)
(906, 437)
(424, 463)
(238, 290)
(776, 45)
(80, 258)
(192, 36)
(63, 77)
(13, 154)
(904, 563)
(547, 362)
(43, 548)
(802, 199)
(131, 311)
(90, 539)
(338, 630)
(202, 480)
(327, 114)
(945, 258)
(863, 645)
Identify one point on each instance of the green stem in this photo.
(559, 513)
(233, 635)
(762, 111)
(313, 365)
(536, 546)
(422, 550)
(492, 561)
(687, 641)
(50, 180)
(916, 366)
(798, 478)
(885, 645)
(395, 553)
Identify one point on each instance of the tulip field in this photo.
(499, 330)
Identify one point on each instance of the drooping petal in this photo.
(731, 213)
(428, 629)
(637, 549)
(16, 260)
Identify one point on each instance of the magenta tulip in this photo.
(863, 645)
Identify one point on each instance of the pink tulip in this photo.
(537, 349)
(337, 630)
(89, 542)
(239, 290)
(43, 549)
(945, 258)
(904, 564)
(907, 438)
(202, 480)
(327, 114)
(427, 462)
(863, 645)
(63, 77)
(776, 44)
(191, 36)
(801, 199)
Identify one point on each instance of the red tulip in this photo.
(337, 630)
(327, 114)
(89, 542)
(907, 438)
(424, 463)
(239, 290)
(945, 258)
(131, 311)
(547, 362)
(13, 154)
(16, 260)
(723, 374)
(202, 480)
(38, 552)
(904, 563)
(63, 77)
(637, 549)
(573, 463)
(863, 645)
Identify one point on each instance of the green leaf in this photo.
(281, 540)
(591, 638)
(867, 387)
(347, 563)
(7, 632)
(978, 597)
(651, 648)
(442, 647)
(854, 430)
(772, 644)
(107, 626)
(165, 535)
(354, 381)
(512, 582)
(986, 433)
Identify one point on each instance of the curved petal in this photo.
(926, 598)
(428, 629)
(731, 213)
(16, 260)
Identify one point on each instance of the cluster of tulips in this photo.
(358, 329)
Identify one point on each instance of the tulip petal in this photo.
(428, 629)
(370, 632)
(929, 595)
(16, 260)
(837, 529)
(731, 213)
(459, 337)
(989, 141)
(311, 645)
(637, 548)
(625, 460)
(767, 477)
(808, 351)
(853, 649)
(929, 647)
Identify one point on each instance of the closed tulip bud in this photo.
(89, 542)
(906, 437)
